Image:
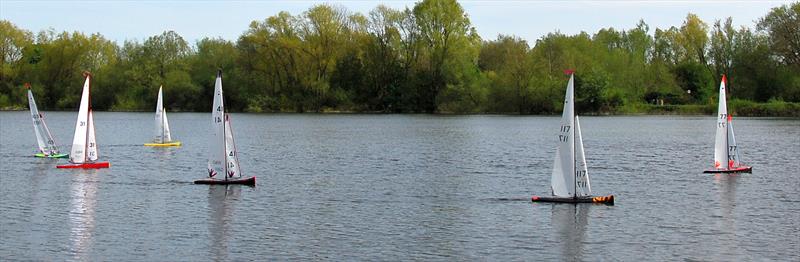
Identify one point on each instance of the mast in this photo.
(727, 123)
(574, 174)
(89, 116)
(224, 146)
(51, 142)
(37, 122)
(572, 134)
(727, 146)
(224, 117)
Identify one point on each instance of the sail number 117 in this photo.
(565, 137)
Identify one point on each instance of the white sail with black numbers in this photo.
(582, 185)
(721, 138)
(231, 158)
(91, 141)
(79, 141)
(45, 141)
(733, 150)
(562, 180)
(216, 159)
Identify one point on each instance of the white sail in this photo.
(733, 150)
(582, 185)
(44, 139)
(159, 131)
(231, 158)
(562, 181)
(52, 147)
(721, 139)
(167, 136)
(78, 153)
(91, 145)
(217, 155)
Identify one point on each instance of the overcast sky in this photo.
(137, 20)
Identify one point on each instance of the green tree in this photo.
(783, 27)
(450, 48)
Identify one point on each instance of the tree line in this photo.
(428, 58)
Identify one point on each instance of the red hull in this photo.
(250, 181)
(86, 165)
(740, 169)
(608, 200)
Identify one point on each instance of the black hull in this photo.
(608, 200)
(250, 181)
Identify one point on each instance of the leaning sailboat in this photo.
(162, 135)
(84, 143)
(569, 181)
(47, 144)
(726, 153)
(223, 160)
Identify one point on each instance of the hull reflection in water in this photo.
(82, 213)
(569, 222)
(221, 199)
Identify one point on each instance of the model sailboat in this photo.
(223, 162)
(47, 145)
(569, 181)
(726, 153)
(162, 134)
(84, 143)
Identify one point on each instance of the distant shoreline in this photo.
(755, 110)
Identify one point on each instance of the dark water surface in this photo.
(370, 187)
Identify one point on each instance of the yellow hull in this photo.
(175, 143)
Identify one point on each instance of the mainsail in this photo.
(563, 177)
(79, 141)
(582, 185)
(47, 145)
(162, 124)
(159, 131)
(721, 139)
(216, 159)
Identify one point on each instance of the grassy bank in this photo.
(735, 107)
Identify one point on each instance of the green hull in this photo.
(51, 156)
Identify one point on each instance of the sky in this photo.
(123, 20)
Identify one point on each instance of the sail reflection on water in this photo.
(82, 213)
(221, 199)
(726, 221)
(569, 224)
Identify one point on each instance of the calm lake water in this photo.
(400, 187)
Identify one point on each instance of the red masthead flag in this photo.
(725, 79)
(569, 71)
(28, 85)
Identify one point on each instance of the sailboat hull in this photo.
(173, 143)
(250, 181)
(609, 200)
(42, 155)
(739, 169)
(94, 165)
